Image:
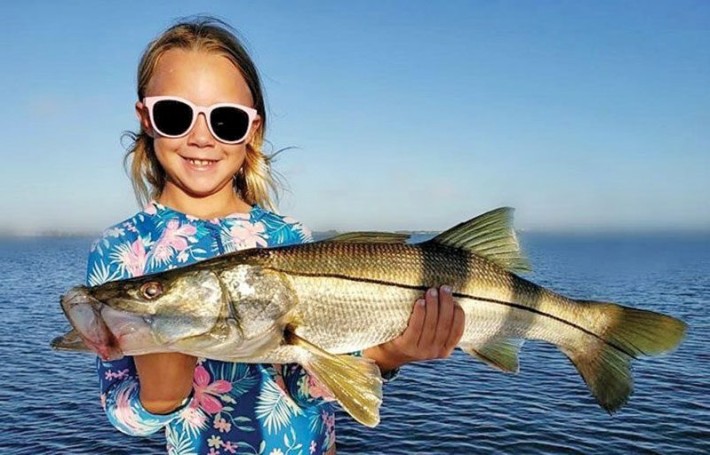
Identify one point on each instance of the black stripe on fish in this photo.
(460, 295)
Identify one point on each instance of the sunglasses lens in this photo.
(172, 117)
(229, 123)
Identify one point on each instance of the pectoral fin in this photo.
(354, 381)
(501, 353)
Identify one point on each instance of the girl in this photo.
(197, 164)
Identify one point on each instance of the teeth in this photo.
(200, 162)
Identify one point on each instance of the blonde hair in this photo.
(255, 182)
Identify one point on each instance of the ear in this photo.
(255, 126)
(144, 118)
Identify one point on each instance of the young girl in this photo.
(198, 165)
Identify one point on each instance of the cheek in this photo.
(166, 149)
(236, 155)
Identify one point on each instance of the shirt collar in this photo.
(154, 208)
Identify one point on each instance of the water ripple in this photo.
(49, 401)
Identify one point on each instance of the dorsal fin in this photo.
(369, 237)
(491, 236)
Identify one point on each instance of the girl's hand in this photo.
(435, 328)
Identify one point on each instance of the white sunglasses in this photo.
(174, 117)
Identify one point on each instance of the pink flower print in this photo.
(312, 448)
(222, 425)
(118, 375)
(213, 451)
(279, 379)
(229, 447)
(205, 391)
(177, 235)
(124, 413)
(194, 418)
(130, 226)
(328, 420)
(317, 390)
(247, 235)
(173, 239)
(162, 252)
(132, 257)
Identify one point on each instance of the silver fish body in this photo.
(314, 304)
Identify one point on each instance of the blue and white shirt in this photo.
(235, 407)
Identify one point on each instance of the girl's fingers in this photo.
(445, 322)
(457, 328)
(431, 320)
(410, 338)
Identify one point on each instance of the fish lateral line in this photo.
(460, 295)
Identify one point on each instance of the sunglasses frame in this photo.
(150, 101)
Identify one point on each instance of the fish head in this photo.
(146, 314)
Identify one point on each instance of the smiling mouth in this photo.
(200, 163)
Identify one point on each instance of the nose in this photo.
(200, 135)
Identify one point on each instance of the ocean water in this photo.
(49, 401)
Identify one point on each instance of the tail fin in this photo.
(628, 334)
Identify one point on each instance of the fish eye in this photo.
(151, 290)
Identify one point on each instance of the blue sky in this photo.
(403, 114)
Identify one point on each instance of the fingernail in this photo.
(421, 302)
(446, 289)
(432, 292)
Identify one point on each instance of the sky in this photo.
(397, 114)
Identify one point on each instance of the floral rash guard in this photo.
(235, 408)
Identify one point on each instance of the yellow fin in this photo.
(605, 362)
(499, 353)
(491, 236)
(354, 381)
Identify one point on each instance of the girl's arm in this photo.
(165, 380)
(132, 406)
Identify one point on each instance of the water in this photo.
(49, 401)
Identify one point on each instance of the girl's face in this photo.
(197, 165)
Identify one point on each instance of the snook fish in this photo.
(315, 304)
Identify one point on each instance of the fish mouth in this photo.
(84, 313)
(109, 332)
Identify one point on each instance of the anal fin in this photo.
(501, 353)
